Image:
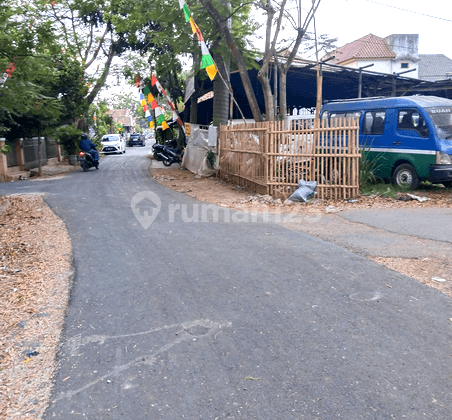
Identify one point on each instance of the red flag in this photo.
(180, 122)
(10, 70)
(153, 80)
(171, 105)
(145, 108)
(163, 91)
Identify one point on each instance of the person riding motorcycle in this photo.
(87, 146)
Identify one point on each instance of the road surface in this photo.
(184, 310)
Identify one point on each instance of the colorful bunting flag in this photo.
(207, 61)
(145, 107)
(143, 102)
(10, 70)
(186, 12)
(151, 124)
(146, 90)
(153, 80)
(165, 125)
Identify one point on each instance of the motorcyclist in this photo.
(87, 146)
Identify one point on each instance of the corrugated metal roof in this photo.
(367, 47)
(434, 67)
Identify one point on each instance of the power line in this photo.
(409, 11)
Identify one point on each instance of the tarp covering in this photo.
(195, 159)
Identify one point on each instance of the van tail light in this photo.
(443, 159)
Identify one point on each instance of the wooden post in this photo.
(20, 154)
(3, 162)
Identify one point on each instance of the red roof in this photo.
(120, 116)
(369, 46)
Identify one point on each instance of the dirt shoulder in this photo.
(35, 277)
(431, 268)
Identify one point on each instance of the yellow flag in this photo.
(143, 102)
(193, 25)
(151, 124)
(164, 125)
(150, 98)
(211, 71)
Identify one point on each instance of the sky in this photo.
(349, 20)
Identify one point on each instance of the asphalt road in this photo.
(210, 314)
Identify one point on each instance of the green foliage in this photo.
(211, 158)
(69, 138)
(368, 168)
(102, 121)
(46, 87)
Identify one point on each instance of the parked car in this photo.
(411, 135)
(135, 139)
(113, 143)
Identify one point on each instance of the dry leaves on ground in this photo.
(35, 276)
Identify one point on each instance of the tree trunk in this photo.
(100, 83)
(193, 109)
(268, 96)
(283, 95)
(238, 58)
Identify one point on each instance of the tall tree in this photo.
(275, 13)
(46, 85)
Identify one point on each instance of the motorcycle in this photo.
(87, 161)
(168, 153)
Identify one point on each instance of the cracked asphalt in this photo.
(219, 318)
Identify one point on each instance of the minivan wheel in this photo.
(405, 176)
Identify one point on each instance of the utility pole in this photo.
(360, 83)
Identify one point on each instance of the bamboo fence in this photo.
(272, 157)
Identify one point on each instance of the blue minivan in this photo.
(411, 135)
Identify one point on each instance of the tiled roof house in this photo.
(122, 116)
(433, 67)
(393, 54)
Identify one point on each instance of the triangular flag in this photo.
(149, 118)
(153, 80)
(186, 13)
(147, 113)
(171, 105)
(204, 49)
(165, 125)
(181, 3)
(211, 71)
(146, 90)
(193, 25)
(143, 102)
(141, 96)
(161, 118)
(162, 90)
(151, 124)
(154, 104)
(150, 98)
(180, 122)
(145, 108)
(158, 111)
(206, 61)
(198, 32)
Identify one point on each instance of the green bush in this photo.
(368, 168)
(69, 138)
